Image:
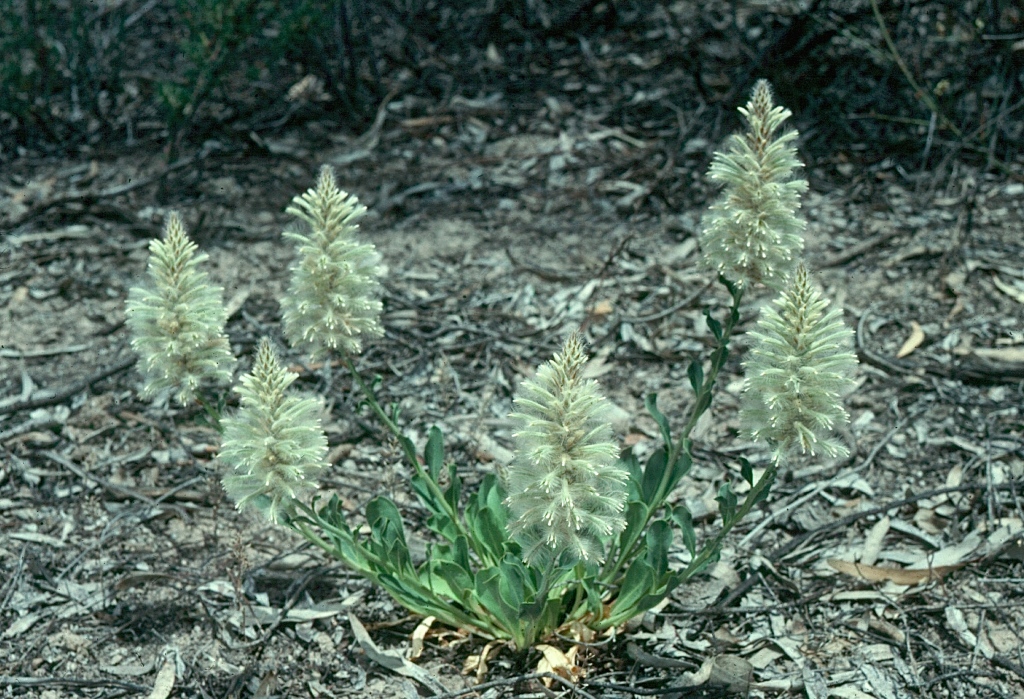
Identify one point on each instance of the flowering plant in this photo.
(576, 535)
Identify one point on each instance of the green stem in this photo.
(708, 551)
(702, 402)
(410, 455)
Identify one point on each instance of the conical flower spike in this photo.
(801, 364)
(177, 320)
(752, 232)
(274, 445)
(566, 493)
(334, 296)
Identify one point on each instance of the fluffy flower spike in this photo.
(566, 494)
(177, 320)
(752, 232)
(274, 445)
(334, 296)
(800, 366)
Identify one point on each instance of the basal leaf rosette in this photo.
(566, 493)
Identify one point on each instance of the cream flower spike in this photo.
(566, 494)
(177, 321)
(752, 232)
(333, 300)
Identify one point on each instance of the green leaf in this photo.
(511, 583)
(458, 580)
(629, 463)
(684, 520)
(433, 453)
(713, 325)
(638, 582)
(696, 373)
(454, 489)
(636, 516)
(726, 504)
(682, 466)
(595, 603)
(426, 495)
(388, 534)
(651, 403)
(487, 590)
(746, 471)
(766, 490)
(659, 542)
(653, 473)
(490, 533)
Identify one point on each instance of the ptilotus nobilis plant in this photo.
(752, 232)
(177, 320)
(574, 538)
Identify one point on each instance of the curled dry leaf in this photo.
(562, 664)
(912, 342)
(418, 635)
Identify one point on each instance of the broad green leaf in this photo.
(637, 583)
(486, 586)
(713, 325)
(636, 516)
(684, 520)
(653, 473)
(651, 403)
(454, 489)
(433, 453)
(488, 532)
(659, 542)
(726, 504)
(767, 489)
(682, 466)
(459, 582)
(629, 463)
(696, 374)
(746, 471)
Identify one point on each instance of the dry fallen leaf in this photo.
(562, 664)
(900, 576)
(1010, 355)
(913, 342)
(418, 634)
(164, 681)
(873, 542)
(478, 663)
(1010, 290)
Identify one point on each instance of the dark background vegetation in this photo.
(170, 74)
